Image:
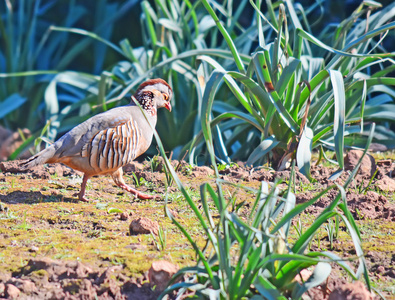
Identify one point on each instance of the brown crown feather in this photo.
(152, 82)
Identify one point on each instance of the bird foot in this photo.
(81, 197)
(138, 194)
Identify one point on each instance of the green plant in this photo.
(365, 190)
(154, 163)
(330, 229)
(136, 181)
(292, 90)
(224, 166)
(257, 252)
(246, 258)
(188, 170)
(161, 242)
(24, 225)
(298, 227)
(141, 181)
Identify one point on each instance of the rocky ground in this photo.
(117, 247)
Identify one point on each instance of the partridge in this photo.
(108, 141)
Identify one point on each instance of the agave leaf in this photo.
(303, 152)
(298, 210)
(263, 148)
(170, 25)
(385, 112)
(88, 34)
(227, 37)
(10, 104)
(341, 262)
(230, 82)
(336, 174)
(286, 75)
(208, 99)
(266, 100)
(369, 35)
(339, 117)
(321, 272)
(267, 289)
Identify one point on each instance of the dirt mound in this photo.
(369, 205)
(44, 278)
(42, 171)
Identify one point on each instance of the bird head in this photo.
(153, 94)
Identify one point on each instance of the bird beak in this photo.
(168, 106)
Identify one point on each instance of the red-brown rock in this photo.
(368, 164)
(11, 291)
(386, 184)
(143, 226)
(24, 285)
(161, 272)
(13, 142)
(351, 291)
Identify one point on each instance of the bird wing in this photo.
(113, 147)
(102, 134)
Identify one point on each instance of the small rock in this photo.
(143, 226)
(108, 274)
(368, 164)
(136, 246)
(33, 249)
(376, 147)
(380, 270)
(109, 288)
(386, 184)
(240, 174)
(202, 171)
(24, 285)
(4, 277)
(42, 263)
(81, 271)
(11, 167)
(124, 216)
(384, 162)
(350, 291)
(161, 272)
(81, 287)
(11, 291)
(11, 143)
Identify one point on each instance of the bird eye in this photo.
(165, 96)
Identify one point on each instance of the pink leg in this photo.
(81, 195)
(135, 192)
(118, 179)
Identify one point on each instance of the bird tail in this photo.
(39, 159)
